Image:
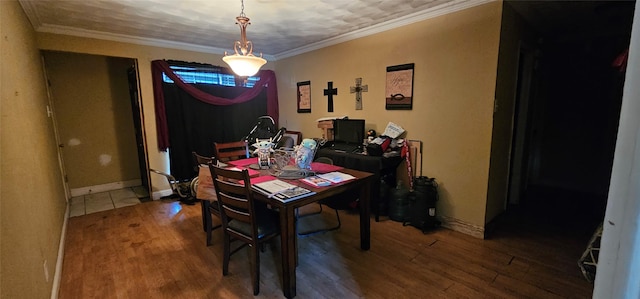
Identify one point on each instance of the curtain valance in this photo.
(267, 79)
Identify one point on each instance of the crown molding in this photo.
(30, 11)
(433, 12)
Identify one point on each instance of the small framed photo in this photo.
(399, 87)
(304, 97)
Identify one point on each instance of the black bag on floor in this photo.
(422, 213)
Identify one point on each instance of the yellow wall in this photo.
(95, 122)
(455, 58)
(32, 199)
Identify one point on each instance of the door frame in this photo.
(138, 124)
(518, 164)
(51, 114)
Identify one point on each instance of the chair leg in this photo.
(339, 223)
(322, 230)
(308, 214)
(207, 222)
(204, 207)
(226, 254)
(255, 269)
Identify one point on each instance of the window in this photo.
(203, 75)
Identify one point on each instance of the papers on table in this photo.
(316, 181)
(281, 190)
(336, 177)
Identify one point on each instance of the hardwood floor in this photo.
(157, 250)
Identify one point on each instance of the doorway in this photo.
(96, 121)
(573, 112)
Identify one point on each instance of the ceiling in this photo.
(283, 28)
(280, 28)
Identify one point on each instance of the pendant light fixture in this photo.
(243, 62)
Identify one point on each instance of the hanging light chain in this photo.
(242, 9)
(243, 62)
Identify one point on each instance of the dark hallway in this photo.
(575, 107)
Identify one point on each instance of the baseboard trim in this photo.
(57, 276)
(105, 187)
(463, 227)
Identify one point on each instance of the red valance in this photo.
(267, 79)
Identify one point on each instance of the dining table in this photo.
(287, 213)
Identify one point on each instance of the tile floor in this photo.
(96, 202)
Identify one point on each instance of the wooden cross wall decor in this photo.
(330, 92)
(358, 90)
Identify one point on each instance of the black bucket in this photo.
(427, 189)
(399, 203)
(423, 209)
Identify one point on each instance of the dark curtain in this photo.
(194, 125)
(158, 67)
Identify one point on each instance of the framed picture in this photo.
(296, 136)
(304, 97)
(399, 87)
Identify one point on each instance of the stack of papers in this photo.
(336, 177)
(393, 130)
(281, 190)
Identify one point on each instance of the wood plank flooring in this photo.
(157, 250)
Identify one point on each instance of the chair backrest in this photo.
(231, 150)
(199, 160)
(233, 190)
(203, 183)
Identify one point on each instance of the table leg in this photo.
(288, 251)
(365, 214)
(204, 206)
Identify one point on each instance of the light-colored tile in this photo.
(126, 202)
(103, 201)
(121, 194)
(77, 199)
(97, 198)
(76, 208)
(93, 207)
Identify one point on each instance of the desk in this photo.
(379, 166)
(288, 235)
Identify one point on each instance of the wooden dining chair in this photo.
(253, 223)
(226, 151)
(206, 194)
